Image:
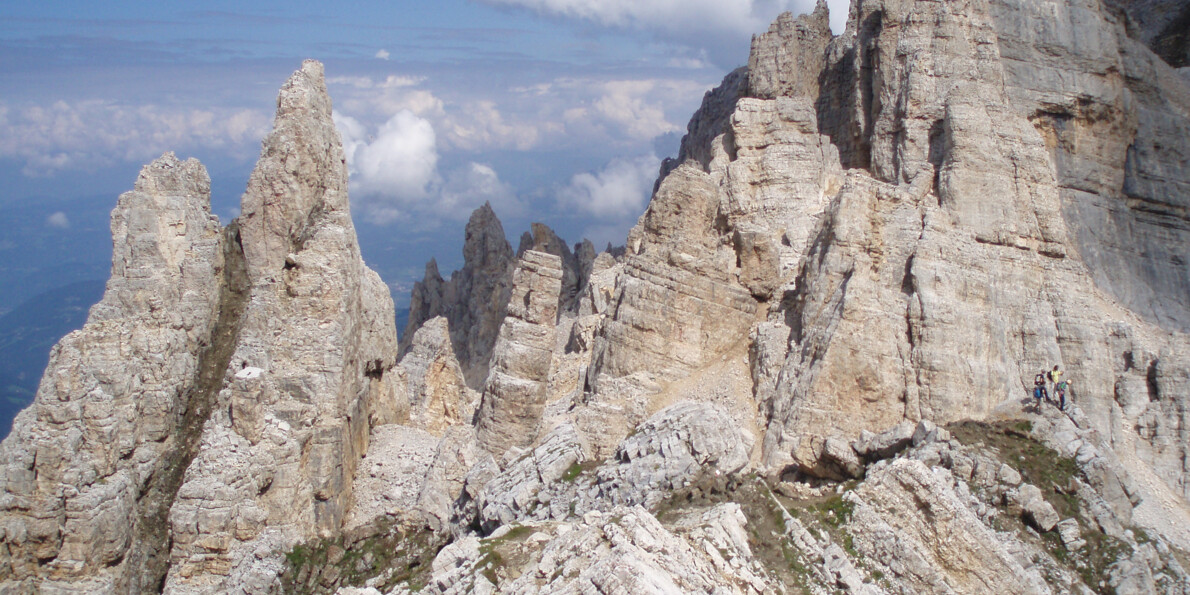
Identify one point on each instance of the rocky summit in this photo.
(810, 368)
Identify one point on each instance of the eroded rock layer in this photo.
(279, 453)
(808, 370)
(83, 465)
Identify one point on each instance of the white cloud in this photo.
(58, 220)
(620, 190)
(89, 134)
(624, 104)
(472, 185)
(392, 81)
(386, 97)
(681, 17)
(383, 54)
(559, 113)
(688, 63)
(480, 125)
(393, 168)
(394, 174)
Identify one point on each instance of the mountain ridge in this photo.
(808, 370)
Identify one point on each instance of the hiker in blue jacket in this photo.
(1039, 391)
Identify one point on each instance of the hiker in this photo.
(1039, 391)
(1060, 392)
(1055, 376)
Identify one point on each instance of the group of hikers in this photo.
(1050, 378)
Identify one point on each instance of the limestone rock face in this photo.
(944, 546)
(515, 396)
(438, 393)
(809, 368)
(626, 551)
(558, 479)
(474, 300)
(317, 337)
(785, 60)
(1161, 25)
(543, 239)
(676, 306)
(86, 466)
(950, 196)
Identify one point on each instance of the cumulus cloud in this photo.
(392, 168)
(624, 104)
(59, 220)
(89, 134)
(558, 113)
(480, 125)
(679, 18)
(391, 81)
(470, 186)
(619, 112)
(395, 175)
(385, 97)
(383, 54)
(619, 191)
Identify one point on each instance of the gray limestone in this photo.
(109, 412)
(864, 238)
(515, 395)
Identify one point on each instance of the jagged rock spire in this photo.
(473, 300)
(309, 371)
(87, 460)
(302, 173)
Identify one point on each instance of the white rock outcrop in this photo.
(278, 456)
(88, 467)
(842, 288)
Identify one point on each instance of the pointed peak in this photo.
(485, 241)
(484, 219)
(585, 249)
(432, 270)
(168, 175)
(304, 94)
(301, 177)
(544, 239)
(526, 244)
(485, 211)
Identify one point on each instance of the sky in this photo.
(557, 111)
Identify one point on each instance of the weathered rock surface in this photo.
(575, 271)
(86, 466)
(438, 393)
(515, 395)
(473, 301)
(278, 455)
(1162, 25)
(558, 479)
(623, 552)
(843, 287)
(905, 512)
(390, 479)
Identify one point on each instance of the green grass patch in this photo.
(324, 565)
(835, 511)
(1037, 463)
(1055, 475)
(491, 558)
(576, 470)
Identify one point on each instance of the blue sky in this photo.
(554, 110)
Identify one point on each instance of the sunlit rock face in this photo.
(278, 454)
(85, 465)
(808, 368)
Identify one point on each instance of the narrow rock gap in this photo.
(1151, 381)
(937, 155)
(1173, 44)
(149, 558)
